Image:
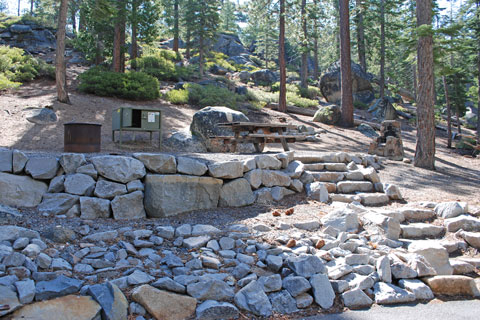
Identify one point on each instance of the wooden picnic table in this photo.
(259, 134)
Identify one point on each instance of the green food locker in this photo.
(137, 119)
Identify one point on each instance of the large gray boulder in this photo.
(57, 203)
(70, 162)
(42, 168)
(229, 44)
(158, 163)
(361, 84)
(167, 195)
(264, 77)
(253, 299)
(20, 191)
(129, 206)
(119, 168)
(236, 193)
(79, 184)
(6, 160)
(92, 208)
(204, 125)
(108, 189)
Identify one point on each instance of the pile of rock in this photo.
(160, 185)
(29, 36)
(354, 254)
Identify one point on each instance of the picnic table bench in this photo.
(259, 134)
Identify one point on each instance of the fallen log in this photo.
(293, 109)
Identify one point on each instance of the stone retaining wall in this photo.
(160, 185)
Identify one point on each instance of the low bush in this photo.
(219, 59)
(17, 67)
(203, 96)
(130, 85)
(298, 101)
(293, 97)
(177, 96)
(161, 66)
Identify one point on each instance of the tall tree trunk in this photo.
(31, 7)
(73, 17)
(304, 71)
(382, 50)
(337, 22)
(18, 13)
(175, 26)
(99, 50)
(81, 20)
(200, 54)
(414, 76)
(134, 30)
(315, 44)
(266, 51)
(477, 5)
(188, 35)
(449, 113)
(425, 147)
(282, 99)
(60, 66)
(345, 65)
(360, 35)
(119, 39)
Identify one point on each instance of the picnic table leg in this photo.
(259, 146)
(284, 144)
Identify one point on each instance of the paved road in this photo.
(435, 310)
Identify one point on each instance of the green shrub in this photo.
(161, 66)
(203, 96)
(177, 96)
(272, 97)
(16, 67)
(130, 85)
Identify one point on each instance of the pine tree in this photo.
(425, 147)
(60, 67)
(204, 20)
(345, 65)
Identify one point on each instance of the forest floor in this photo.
(457, 177)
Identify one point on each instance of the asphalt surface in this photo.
(435, 310)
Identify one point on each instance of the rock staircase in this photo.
(348, 178)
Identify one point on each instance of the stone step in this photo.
(417, 214)
(367, 199)
(354, 186)
(328, 176)
(422, 230)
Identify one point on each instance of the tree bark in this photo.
(449, 114)
(382, 50)
(315, 48)
(60, 66)
(360, 35)
(266, 50)
(425, 147)
(175, 26)
(282, 99)
(304, 70)
(414, 76)
(119, 39)
(134, 30)
(477, 5)
(200, 55)
(345, 65)
(18, 13)
(31, 7)
(73, 17)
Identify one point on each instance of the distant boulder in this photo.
(229, 44)
(243, 59)
(328, 114)
(30, 37)
(264, 76)
(169, 43)
(361, 84)
(204, 125)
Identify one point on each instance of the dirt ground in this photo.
(456, 177)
